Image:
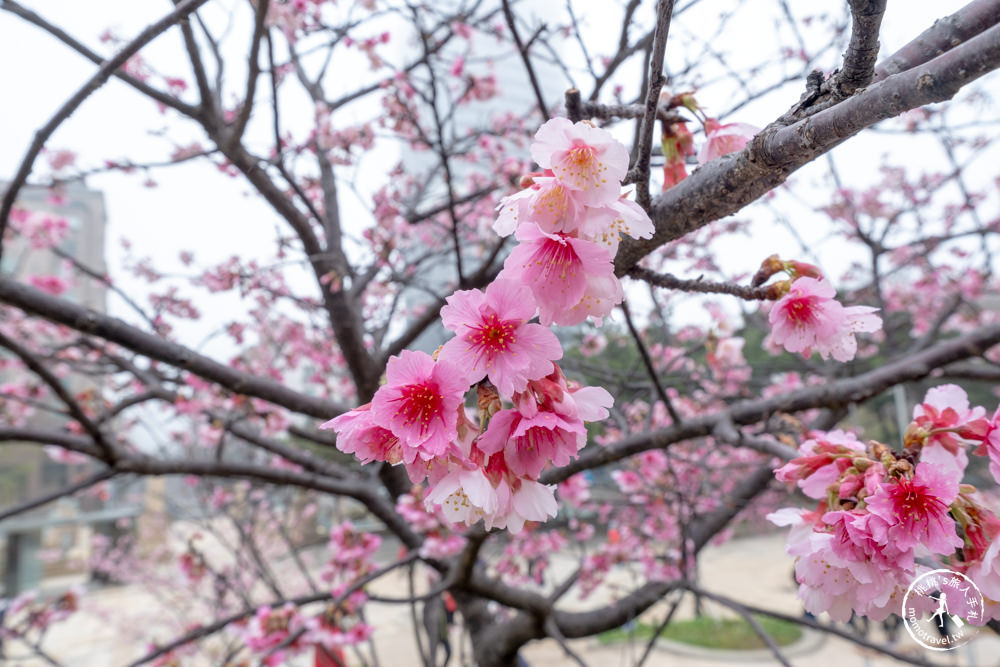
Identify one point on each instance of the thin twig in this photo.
(640, 172)
(526, 59)
(57, 494)
(650, 367)
(670, 281)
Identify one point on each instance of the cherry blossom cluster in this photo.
(568, 219)
(28, 618)
(677, 140)
(883, 517)
(807, 317)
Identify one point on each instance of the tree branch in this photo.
(57, 494)
(35, 365)
(526, 59)
(85, 320)
(670, 281)
(944, 35)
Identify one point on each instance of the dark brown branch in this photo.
(85, 320)
(862, 52)
(253, 72)
(209, 108)
(726, 185)
(526, 59)
(35, 365)
(835, 394)
(104, 72)
(640, 172)
(670, 281)
(68, 441)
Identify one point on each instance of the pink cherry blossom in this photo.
(465, 496)
(916, 510)
(358, 434)
(991, 445)
(724, 139)
(944, 418)
(569, 277)
(835, 584)
(583, 157)
(606, 224)
(548, 203)
(985, 573)
(419, 403)
(808, 318)
(494, 338)
(51, 284)
(528, 443)
(822, 460)
(575, 491)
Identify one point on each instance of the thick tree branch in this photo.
(944, 35)
(68, 441)
(838, 393)
(91, 322)
(85, 483)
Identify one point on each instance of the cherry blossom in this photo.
(582, 157)
(808, 318)
(569, 277)
(915, 510)
(494, 338)
(724, 139)
(419, 403)
(358, 434)
(529, 443)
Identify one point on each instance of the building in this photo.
(61, 530)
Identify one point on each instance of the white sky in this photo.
(196, 208)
